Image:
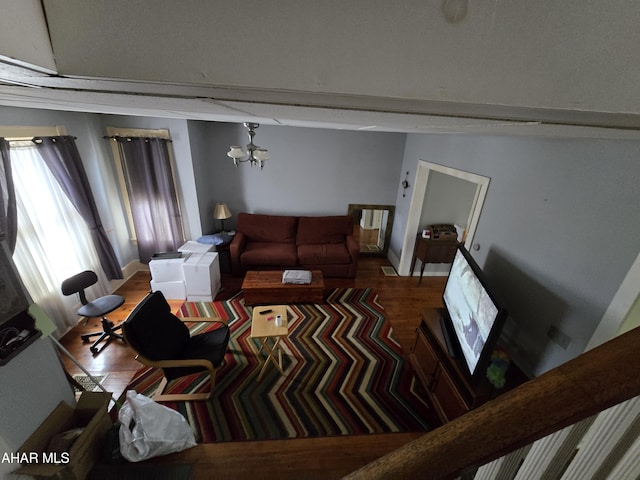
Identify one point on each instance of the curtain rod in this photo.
(129, 137)
(37, 139)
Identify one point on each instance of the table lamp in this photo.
(221, 212)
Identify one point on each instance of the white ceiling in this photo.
(549, 68)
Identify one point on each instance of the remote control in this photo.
(265, 311)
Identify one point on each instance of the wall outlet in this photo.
(559, 337)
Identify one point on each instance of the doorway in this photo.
(425, 170)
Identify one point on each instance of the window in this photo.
(53, 240)
(144, 161)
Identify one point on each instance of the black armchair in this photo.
(162, 340)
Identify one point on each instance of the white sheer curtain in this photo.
(53, 240)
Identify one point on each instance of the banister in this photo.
(578, 389)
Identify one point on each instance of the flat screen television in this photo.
(473, 317)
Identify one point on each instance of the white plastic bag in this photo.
(149, 429)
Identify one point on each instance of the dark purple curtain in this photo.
(8, 211)
(63, 159)
(152, 195)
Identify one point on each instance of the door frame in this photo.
(417, 201)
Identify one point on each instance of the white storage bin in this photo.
(167, 269)
(202, 277)
(170, 290)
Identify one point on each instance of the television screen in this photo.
(475, 319)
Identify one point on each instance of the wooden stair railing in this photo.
(592, 382)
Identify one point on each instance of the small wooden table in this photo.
(430, 250)
(265, 287)
(263, 327)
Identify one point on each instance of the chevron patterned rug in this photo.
(344, 375)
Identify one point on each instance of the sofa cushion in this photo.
(269, 253)
(326, 254)
(320, 230)
(267, 228)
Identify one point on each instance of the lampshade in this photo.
(261, 154)
(235, 152)
(221, 212)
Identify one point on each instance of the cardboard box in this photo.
(170, 290)
(202, 277)
(167, 269)
(90, 413)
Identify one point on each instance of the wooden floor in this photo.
(326, 458)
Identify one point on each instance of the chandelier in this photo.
(254, 154)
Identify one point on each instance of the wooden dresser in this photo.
(444, 378)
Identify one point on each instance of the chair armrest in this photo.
(353, 246)
(189, 362)
(204, 319)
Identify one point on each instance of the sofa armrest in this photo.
(353, 246)
(354, 250)
(235, 249)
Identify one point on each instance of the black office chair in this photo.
(97, 308)
(162, 340)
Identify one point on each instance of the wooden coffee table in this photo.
(266, 287)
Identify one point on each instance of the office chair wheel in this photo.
(108, 332)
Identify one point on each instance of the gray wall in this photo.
(559, 230)
(311, 171)
(447, 200)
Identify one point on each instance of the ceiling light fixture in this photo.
(255, 154)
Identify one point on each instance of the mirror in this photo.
(372, 227)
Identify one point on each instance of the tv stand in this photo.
(445, 379)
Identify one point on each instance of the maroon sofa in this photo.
(269, 242)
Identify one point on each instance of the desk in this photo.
(263, 327)
(431, 250)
